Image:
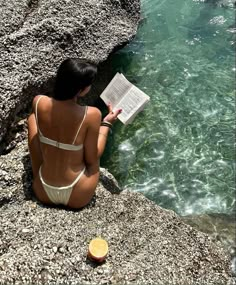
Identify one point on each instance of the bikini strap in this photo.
(36, 113)
(85, 113)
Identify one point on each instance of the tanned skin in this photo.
(59, 120)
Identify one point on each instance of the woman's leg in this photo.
(84, 190)
(34, 145)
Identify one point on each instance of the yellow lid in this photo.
(98, 248)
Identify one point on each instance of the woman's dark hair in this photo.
(73, 74)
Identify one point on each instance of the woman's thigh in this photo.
(40, 193)
(34, 145)
(84, 190)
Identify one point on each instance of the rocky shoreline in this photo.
(147, 244)
(42, 245)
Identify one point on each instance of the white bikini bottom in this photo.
(59, 195)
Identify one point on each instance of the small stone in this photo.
(61, 249)
(25, 231)
(33, 205)
(100, 271)
(49, 277)
(6, 177)
(104, 281)
(54, 249)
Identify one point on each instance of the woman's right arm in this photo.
(96, 136)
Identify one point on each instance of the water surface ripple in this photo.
(179, 151)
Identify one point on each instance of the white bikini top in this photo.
(57, 144)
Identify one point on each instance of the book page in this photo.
(132, 117)
(115, 90)
(131, 103)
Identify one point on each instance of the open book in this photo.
(122, 94)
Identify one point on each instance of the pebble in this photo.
(33, 205)
(26, 230)
(54, 249)
(61, 249)
(100, 271)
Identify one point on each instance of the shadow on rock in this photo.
(27, 178)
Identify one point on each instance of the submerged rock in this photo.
(36, 35)
(221, 227)
(147, 244)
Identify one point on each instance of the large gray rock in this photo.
(147, 244)
(36, 35)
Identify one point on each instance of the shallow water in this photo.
(179, 151)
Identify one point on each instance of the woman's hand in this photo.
(111, 117)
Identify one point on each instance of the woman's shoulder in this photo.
(94, 113)
(36, 99)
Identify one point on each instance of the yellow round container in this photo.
(98, 249)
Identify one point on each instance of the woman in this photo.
(66, 140)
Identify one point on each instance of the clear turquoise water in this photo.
(179, 151)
